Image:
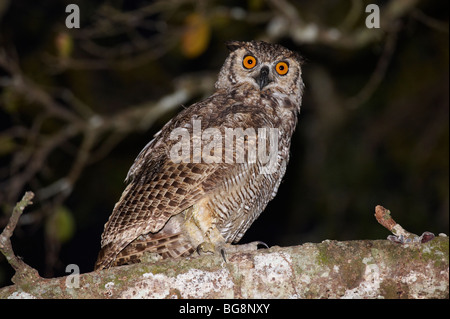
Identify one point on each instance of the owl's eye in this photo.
(282, 68)
(249, 62)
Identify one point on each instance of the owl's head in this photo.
(263, 65)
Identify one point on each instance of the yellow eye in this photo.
(282, 68)
(249, 62)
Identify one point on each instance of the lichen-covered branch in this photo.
(400, 235)
(24, 273)
(331, 269)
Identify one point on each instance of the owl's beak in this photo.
(263, 77)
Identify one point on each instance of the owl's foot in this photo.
(226, 249)
(206, 248)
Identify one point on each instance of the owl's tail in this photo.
(163, 245)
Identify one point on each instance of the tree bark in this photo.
(331, 269)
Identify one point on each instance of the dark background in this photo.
(78, 105)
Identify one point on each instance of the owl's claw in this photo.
(258, 242)
(223, 253)
(206, 248)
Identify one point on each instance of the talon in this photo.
(205, 247)
(258, 242)
(223, 253)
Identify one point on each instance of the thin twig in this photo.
(380, 71)
(23, 271)
(401, 236)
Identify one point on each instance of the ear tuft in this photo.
(234, 45)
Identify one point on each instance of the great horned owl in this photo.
(207, 197)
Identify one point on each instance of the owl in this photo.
(206, 176)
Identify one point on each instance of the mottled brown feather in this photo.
(170, 208)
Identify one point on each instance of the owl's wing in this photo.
(149, 201)
(160, 188)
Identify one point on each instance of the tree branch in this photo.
(331, 269)
(24, 273)
(400, 236)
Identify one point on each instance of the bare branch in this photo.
(331, 269)
(377, 76)
(31, 91)
(24, 273)
(290, 24)
(430, 21)
(400, 236)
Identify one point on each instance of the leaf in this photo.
(61, 225)
(64, 44)
(255, 5)
(196, 36)
(7, 145)
(11, 101)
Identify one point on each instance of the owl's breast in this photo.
(243, 196)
